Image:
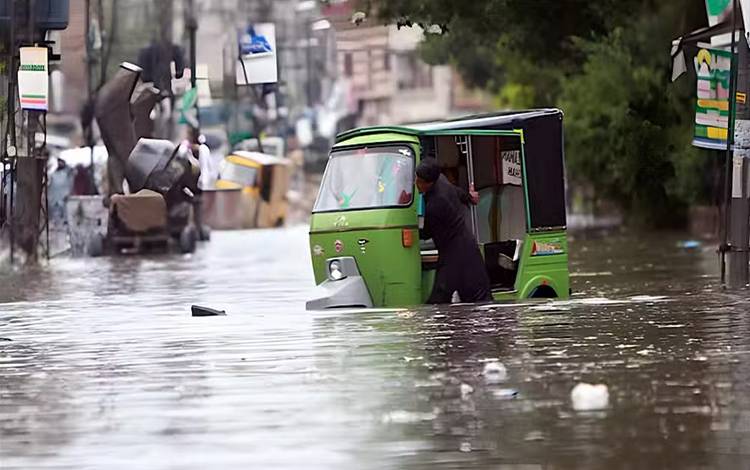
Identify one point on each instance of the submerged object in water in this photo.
(689, 245)
(494, 372)
(199, 311)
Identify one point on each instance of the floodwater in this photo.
(102, 366)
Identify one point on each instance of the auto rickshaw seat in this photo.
(501, 260)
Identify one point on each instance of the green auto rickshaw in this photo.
(364, 231)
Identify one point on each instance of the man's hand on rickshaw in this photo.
(473, 194)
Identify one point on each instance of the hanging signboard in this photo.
(712, 67)
(257, 63)
(511, 166)
(718, 10)
(33, 79)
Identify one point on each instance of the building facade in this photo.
(388, 80)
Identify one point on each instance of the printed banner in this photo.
(258, 55)
(33, 79)
(712, 67)
(511, 166)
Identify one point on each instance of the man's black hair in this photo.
(428, 170)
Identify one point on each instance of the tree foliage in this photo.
(605, 63)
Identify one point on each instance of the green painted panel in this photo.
(544, 260)
(391, 271)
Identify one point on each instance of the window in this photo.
(367, 178)
(348, 64)
(412, 73)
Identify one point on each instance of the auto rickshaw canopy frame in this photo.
(543, 158)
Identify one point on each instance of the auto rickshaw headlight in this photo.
(334, 271)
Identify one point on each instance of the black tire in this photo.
(205, 233)
(95, 245)
(188, 239)
(543, 292)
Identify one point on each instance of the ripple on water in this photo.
(105, 368)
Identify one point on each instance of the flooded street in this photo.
(102, 366)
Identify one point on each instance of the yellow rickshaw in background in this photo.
(251, 192)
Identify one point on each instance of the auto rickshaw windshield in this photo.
(367, 178)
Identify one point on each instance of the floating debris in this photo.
(466, 390)
(505, 393)
(495, 371)
(534, 436)
(405, 417)
(199, 311)
(587, 397)
(689, 245)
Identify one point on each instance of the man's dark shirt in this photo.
(461, 266)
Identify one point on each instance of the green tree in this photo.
(628, 128)
(495, 43)
(605, 64)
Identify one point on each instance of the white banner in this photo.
(257, 46)
(33, 79)
(511, 166)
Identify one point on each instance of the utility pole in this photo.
(739, 142)
(10, 148)
(192, 27)
(88, 131)
(308, 64)
(739, 207)
(30, 166)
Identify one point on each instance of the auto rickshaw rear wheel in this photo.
(95, 245)
(205, 233)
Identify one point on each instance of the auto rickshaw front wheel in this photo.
(204, 233)
(188, 239)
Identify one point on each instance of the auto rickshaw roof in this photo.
(503, 120)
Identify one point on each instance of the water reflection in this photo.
(105, 369)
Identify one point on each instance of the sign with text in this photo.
(257, 63)
(33, 79)
(511, 166)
